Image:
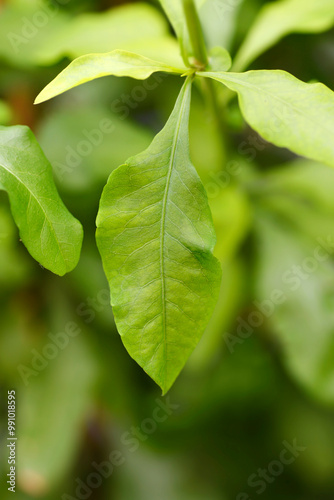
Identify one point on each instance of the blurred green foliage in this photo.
(241, 396)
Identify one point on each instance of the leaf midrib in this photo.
(163, 226)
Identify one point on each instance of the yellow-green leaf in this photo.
(278, 19)
(285, 111)
(92, 66)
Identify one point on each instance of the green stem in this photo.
(215, 107)
(201, 61)
(195, 34)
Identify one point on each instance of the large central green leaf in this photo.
(156, 237)
(51, 234)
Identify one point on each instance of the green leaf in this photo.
(22, 40)
(51, 234)
(131, 27)
(92, 66)
(67, 391)
(156, 237)
(302, 191)
(24, 43)
(219, 59)
(299, 271)
(219, 19)
(278, 19)
(285, 111)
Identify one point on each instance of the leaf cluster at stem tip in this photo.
(155, 231)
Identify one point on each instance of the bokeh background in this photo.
(262, 378)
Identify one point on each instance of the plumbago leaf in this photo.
(92, 66)
(278, 19)
(156, 237)
(285, 111)
(50, 233)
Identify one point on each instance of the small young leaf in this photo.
(51, 234)
(156, 237)
(92, 66)
(278, 19)
(285, 111)
(219, 59)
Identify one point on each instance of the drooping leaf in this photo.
(51, 234)
(92, 66)
(278, 19)
(285, 111)
(156, 237)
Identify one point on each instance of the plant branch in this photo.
(195, 34)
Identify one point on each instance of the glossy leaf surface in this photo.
(50, 233)
(156, 238)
